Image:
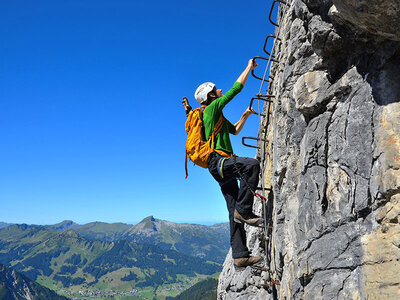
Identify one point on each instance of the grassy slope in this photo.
(103, 231)
(211, 242)
(203, 290)
(53, 258)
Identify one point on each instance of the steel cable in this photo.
(282, 13)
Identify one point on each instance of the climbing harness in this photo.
(220, 167)
(261, 197)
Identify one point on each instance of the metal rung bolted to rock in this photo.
(265, 96)
(272, 283)
(272, 9)
(267, 59)
(251, 138)
(266, 42)
(259, 98)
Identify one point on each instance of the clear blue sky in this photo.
(92, 126)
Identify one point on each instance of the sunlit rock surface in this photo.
(378, 17)
(331, 156)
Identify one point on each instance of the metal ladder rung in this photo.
(259, 98)
(271, 283)
(267, 59)
(272, 9)
(266, 42)
(260, 188)
(251, 138)
(265, 95)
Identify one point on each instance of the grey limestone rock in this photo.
(378, 17)
(307, 92)
(331, 156)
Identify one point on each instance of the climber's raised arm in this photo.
(252, 64)
(239, 124)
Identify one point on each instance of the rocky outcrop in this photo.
(331, 156)
(14, 285)
(377, 17)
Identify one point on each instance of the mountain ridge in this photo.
(203, 241)
(68, 259)
(3, 224)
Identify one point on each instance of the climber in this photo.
(226, 170)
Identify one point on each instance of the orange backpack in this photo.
(197, 149)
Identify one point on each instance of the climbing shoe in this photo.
(246, 261)
(252, 219)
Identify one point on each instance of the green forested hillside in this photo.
(63, 226)
(103, 231)
(2, 225)
(64, 260)
(203, 290)
(14, 285)
(207, 242)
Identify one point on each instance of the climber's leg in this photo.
(238, 234)
(230, 190)
(249, 169)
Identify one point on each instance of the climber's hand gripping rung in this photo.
(267, 59)
(259, 98)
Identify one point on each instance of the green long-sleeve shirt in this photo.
(211, 116)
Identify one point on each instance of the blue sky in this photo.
(92, 126)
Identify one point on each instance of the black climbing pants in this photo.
(236, 198)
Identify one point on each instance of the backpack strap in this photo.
(186, 170)
(217, 129)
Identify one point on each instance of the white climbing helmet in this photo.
(202, 91)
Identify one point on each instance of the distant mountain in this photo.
(64, 259)
(2, 225)
(103, 231)
(94, 230)
(14, 285)
(208, 242)
(63, 226)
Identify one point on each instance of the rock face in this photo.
(379, 17)
(331, 156)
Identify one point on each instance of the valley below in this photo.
(154, 259)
